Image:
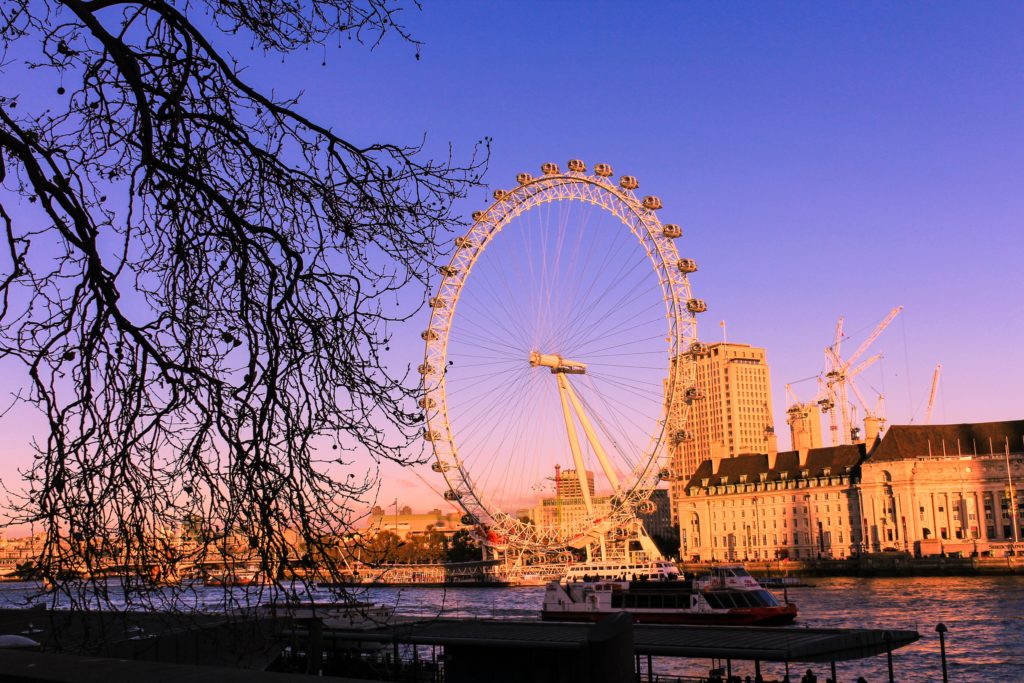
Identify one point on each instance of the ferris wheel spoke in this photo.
(584, 315)
(624, 328)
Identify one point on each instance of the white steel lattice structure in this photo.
(570, 324)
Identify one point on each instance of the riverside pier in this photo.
(206, 648)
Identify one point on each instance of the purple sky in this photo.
(823, 160)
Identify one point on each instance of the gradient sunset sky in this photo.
(823, 159)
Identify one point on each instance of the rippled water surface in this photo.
(985, 617)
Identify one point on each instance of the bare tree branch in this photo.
(200, 283)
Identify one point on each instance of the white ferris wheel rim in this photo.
(658, 242)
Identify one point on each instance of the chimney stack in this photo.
(773, 447)
(717, 456)
(872, 432)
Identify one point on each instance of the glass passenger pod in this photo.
(682, 436)
(438, 302)
(440, 467)
(698, 349)
(577, 166)
(672, 231)
(685, 265)
(603, 170)
(426, 369)
(693, 394)
(646, 508)
(652, 203)
(500, 194)
(550, 169)
(468, 520)
(479, 215)
(451, 495)
(524, 178)
(628, 182)
(428, 335)
(463, 241)
(427, 403)
(696, 305)
(664, 474)
(431, 435)
(448, 271)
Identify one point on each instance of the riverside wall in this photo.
(883, 564)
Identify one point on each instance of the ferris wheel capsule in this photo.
(687, 266)
(451, 495)
(672, 231)
(682, 436)
(431, 435)
(628, 182)
(603, 170)
(468, 520)
(699, 349)
(696, 305)
(427, 403)
(448, 271)
(463, 241)
(550, 169)
(500, 194)
(664, 474)
(479, 215)
(440, 467)
(646, 508)
(652, 203)
(523, 178)
(438, 302)
(426, 369)
(577, 166)
(428, 335)
(693, 394)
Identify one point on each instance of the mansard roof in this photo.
(836, 458)
(915, 441)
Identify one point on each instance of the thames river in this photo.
(985, 617)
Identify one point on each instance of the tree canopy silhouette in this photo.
(201, 282)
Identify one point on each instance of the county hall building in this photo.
(922, 489)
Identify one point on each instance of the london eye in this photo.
(559, 359)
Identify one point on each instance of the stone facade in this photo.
(926, 490)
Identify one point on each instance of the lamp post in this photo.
(941, 630)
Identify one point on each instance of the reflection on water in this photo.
(985, 616)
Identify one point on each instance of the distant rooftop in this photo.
(981, 438)
(836, 459)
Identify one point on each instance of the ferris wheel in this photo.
(552, 398)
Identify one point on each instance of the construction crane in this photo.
(931, 396)
(838, 373)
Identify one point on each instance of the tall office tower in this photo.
(734, 416)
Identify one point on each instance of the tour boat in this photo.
(654, 570)
(727, 596)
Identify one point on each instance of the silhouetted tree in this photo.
(463, 547)
(200, 281)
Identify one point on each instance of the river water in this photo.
(985, 617)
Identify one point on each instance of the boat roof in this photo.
(766, 644)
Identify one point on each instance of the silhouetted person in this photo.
(809, 677)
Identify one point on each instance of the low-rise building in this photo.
(927, 490)
(937, 489)
(795, 504)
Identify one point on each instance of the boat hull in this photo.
(756, 616)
